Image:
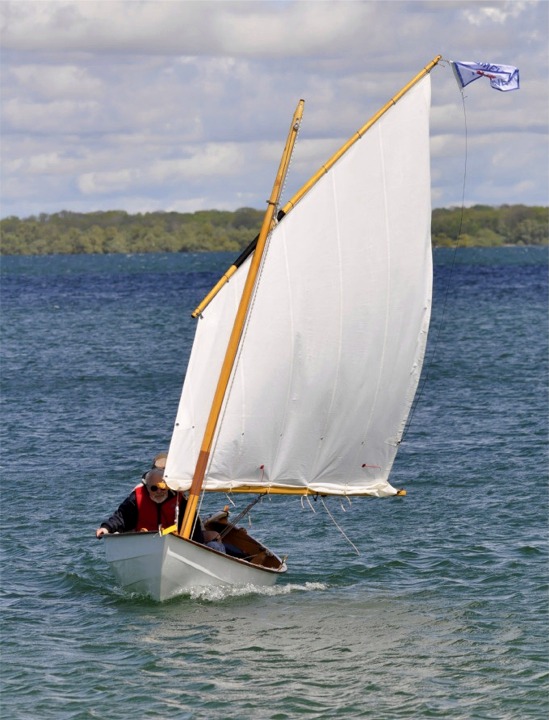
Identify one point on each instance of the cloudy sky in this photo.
(184, 105)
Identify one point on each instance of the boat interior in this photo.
(238, 543)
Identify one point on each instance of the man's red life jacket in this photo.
(150, 514)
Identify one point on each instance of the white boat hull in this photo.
(164, 566)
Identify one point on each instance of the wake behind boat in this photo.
(304, 367)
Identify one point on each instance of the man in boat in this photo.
(150, 505)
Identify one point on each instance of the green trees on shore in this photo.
(116, 231)
(483, 225)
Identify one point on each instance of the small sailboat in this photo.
(307, 353)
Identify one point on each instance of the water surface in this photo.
(442, 614)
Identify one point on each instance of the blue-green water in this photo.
(444, 614)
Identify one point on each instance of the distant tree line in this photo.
(117, 231)
(484, 225)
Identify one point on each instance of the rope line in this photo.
(351, 543)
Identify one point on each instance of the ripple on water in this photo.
(443, 613)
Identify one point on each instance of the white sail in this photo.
(334, 343)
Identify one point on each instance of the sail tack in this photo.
(334, 343)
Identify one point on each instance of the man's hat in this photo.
(160, 461)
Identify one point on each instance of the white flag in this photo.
(502, 77)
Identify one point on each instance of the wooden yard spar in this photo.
(312, 181)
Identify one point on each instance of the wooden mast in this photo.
(240, 319)
(313, 180)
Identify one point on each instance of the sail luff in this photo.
(232, 348)
(313, 180)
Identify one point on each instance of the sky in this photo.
(183, 105)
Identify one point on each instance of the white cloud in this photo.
(166, 105)
(52, 81)
(213, 160)
(211, 27)
(495, 12)
(42, 117)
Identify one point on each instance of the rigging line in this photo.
(341, 499)
(455, 245)
(240, 515)
(351, 543)
(197, 516)
(288, 171)
(229, 499)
